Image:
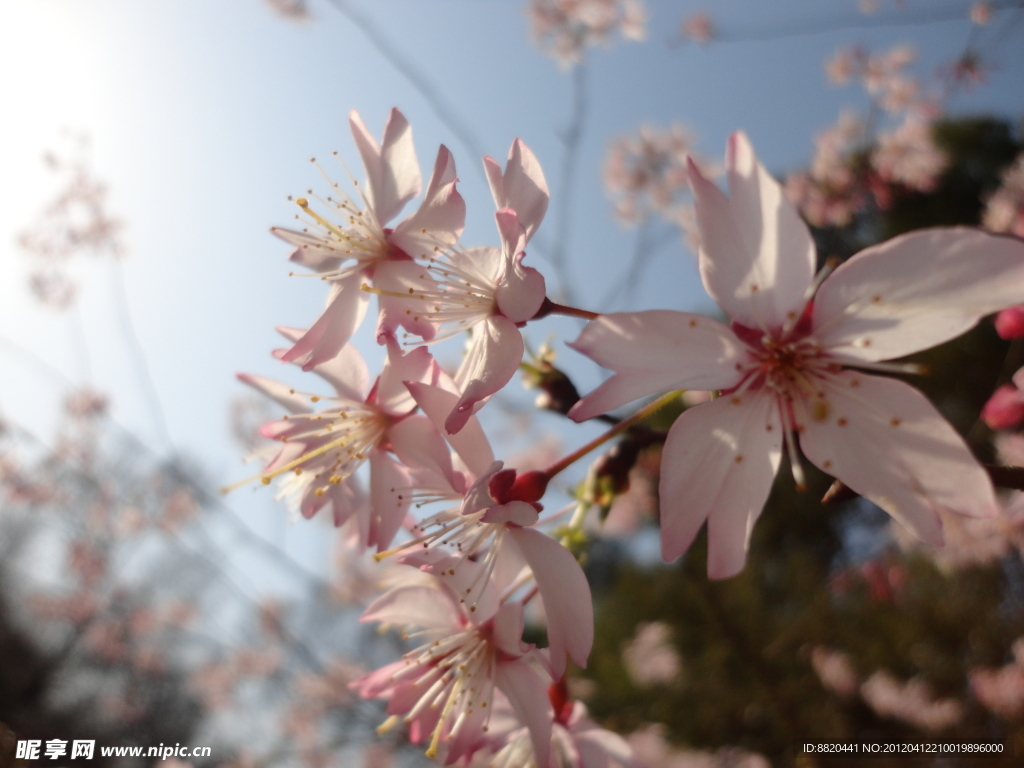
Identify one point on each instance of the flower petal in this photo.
(718, 465)
(756, 254)
(346, 306)
(441, 216)
(522, 187)
(492, 360)
(527, 692)
(656, 351)
(283, 394)
(346, 371)
(311, 251)
(516, 512)
(392, 172)
(470, 443)
(916, 291)
(392, 396)
(391, 495)
(402, 279)
(415, 605)
(888, 443)
(566, 594)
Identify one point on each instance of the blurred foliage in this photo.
(745, 643)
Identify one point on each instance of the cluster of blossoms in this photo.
(852, 167)
(789, 370)
(75, 222)
(646, 174)
(564, 29)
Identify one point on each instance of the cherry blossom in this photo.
(351, 243)
(912, 702)
(445, 687)
(564, 29)
(1004, 210)
(781, 366)
(576, 741)
(323, 448)
(487, 291)
(492, 522)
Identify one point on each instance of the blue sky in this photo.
(204, 114)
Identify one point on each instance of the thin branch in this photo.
(571, 137)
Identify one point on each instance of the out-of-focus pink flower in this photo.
(293, 10)
(1002, 690)
(445, 688)
(564, 29)
(1004, 210)
(835, 670)
(76, 222)
(650, 657)
(911, 702)
(645, 174)
(781, 365)
(909, 156)
(351, 243)
(1005, 408)
(699, 28)
(981, 12)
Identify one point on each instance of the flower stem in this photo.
(619, 428)
(550, 307)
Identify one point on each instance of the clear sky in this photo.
(204, 113)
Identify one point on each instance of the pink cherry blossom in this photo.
(911, 702)
(646, 174)
(351, 243)
(576, 741)
(909, 156)
(1004, 210)
(564, 29)
(487, 291)
(322, 449)
(781, 366)
(445, 687)
(492, 522)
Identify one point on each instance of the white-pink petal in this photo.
(402, 278)
(491, 361)
(311, 251)
(718, 464)
(568, 605)
(442, 213)
(756, 254)
(392, 171)
(283, 394)
(414, 605)
(656, 351)
(884, 440)
(346, 307)
(521, 291)
(522, 187)
(470, 443)
(915, 291)
(526, 691)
